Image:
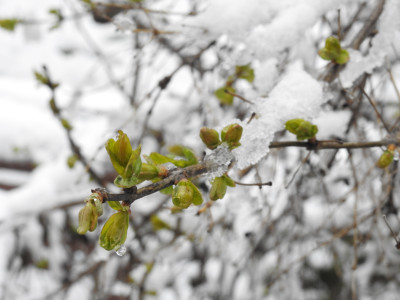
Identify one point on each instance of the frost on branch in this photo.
(297, 94)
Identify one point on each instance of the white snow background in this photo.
(261, 31)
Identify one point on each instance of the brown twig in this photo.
(378, 114)
(238, 96)
(319, 145)
(74, 147)
(175, 176)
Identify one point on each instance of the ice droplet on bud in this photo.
(121, 251)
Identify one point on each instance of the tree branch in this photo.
(175, 176)
(204, 167)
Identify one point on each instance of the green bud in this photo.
(9, 24)
(245, 72)
(218, 188)
(303, 130)
(87, 218)
(97, 200)
(148, 172)
(229, 181)
(334, 52)
(224, 97)
(332, 44)
(71, 160)
(66, 124)
(159, 224)
(114, 231)
(183, 194)
(343, 57)
(385, 159)
(210, 137)
(231, 134)
(120, 152)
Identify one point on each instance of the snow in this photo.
(296, 95)
(279, 39)
(385, 46)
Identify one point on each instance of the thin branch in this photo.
(368, 25)
(259, 184)
(74, 147)
(378, 114)
(238, 96)
(319, 145)
(175, 176)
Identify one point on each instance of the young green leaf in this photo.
(245, 72)
(210, 137)
(302, 129)
(114, 231)
(9, 24)
(224, 97)
(218, 188)
(385, 159)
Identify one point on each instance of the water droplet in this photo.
(121, 251)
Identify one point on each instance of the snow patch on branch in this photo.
(297, 95)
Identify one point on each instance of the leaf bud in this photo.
(302, 129)
(114, 231)
(218, 188)
(210, 137)
(385, 159)
(87, 218)
(148, 172)
(231, 134)
(182, 196)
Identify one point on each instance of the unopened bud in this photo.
(231, 134)
(114, 231)
(218, 188)
(385, 160)
(148, 172)
(210, 137)
(87, 218)
(182, 195)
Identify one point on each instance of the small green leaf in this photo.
(218, 188)
(343, 57)
(168, 190)
(41, 78)
(134, 164)
(183, 194)
(302, 129)
(245, 72)
(115, 205)
(66, 124)
(332, 44)
(232, 134)
(229, 181)
(184, 152)
(72, 159)
(42, 264)
(87, 218)
(148, 172)
(9, 24)
(334, 52)
(123, 182)
(120, 152)
(224, 97)
(385, 159)
(210, 137)
(114, 231)
(159, 224)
